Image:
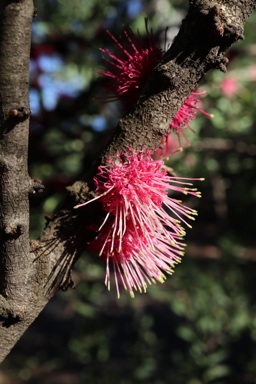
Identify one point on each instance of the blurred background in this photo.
(200, 326)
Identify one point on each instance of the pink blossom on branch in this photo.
(186, 114)
(130, 68)
(141, 234)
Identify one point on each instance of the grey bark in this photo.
(31, 273)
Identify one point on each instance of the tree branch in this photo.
(29, 277)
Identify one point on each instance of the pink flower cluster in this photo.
(141, 234)
(129, 70)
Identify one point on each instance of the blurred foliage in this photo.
(200, 326)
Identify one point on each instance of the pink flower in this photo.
(186, 114)
(138, 234)
(137, 257)
(131, 67)
(229, 86)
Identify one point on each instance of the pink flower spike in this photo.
(186, 114)
(139, 263)
(142, 232)
(129, 70)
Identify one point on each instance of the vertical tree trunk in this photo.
(15, 267)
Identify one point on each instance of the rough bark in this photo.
(30, 276)
(15, 261)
